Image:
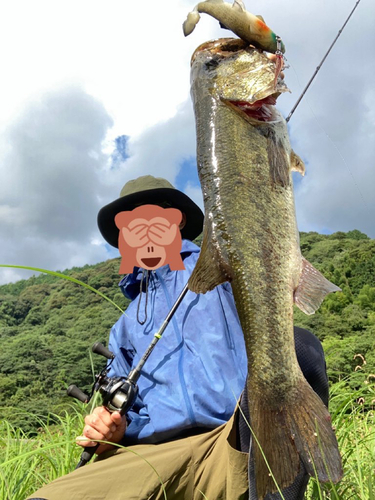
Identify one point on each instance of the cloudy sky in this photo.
(77, 75)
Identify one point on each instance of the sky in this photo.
(78, 75)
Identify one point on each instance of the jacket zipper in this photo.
(180, 339)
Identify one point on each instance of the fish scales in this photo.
(256, 241)
(251, 239)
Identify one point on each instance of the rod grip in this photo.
(86, 455)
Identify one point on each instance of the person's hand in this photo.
(104, 426)
(136, 236)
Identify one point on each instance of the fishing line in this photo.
(332, 141)
(312, 111)
(321, 63)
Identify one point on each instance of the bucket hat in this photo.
(149, 190)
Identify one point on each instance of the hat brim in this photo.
(176, 198)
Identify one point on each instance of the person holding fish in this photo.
(230, 359)
(188, 391)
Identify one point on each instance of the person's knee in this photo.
(311, 359)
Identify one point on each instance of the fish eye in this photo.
(212, 64)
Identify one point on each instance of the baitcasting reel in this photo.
(119, 393)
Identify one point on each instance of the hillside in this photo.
(47, 325)
(47, 328)
(345, 321)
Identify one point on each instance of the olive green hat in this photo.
(149, 190)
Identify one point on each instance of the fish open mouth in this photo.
(261, 111)
(241, 77)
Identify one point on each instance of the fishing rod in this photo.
(134, 374)
(321, 63)
(119, 393)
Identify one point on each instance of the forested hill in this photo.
(47, 328)
(47, 324)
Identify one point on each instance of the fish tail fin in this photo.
(294, 432)
(191, 21)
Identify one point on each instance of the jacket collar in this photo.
(130, 283)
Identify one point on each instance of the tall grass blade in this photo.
(65, 277)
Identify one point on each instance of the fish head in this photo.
(241, 76)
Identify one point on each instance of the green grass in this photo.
(26, 463)
(353, 417)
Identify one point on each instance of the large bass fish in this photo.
(250, 238)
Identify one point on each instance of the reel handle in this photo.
(98, 348)
(74, 392)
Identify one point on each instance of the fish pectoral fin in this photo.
(296, 164)
(312, 288)
(297, 433)
(210, 270)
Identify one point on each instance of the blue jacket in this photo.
(197, 370)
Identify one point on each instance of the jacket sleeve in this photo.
(124, 352)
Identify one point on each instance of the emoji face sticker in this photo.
(149, 237)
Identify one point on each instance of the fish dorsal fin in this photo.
(312, 288)
(239, 5)
(210, 269)
(296, 164)
(261, 18)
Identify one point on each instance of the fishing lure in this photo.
(235, 17)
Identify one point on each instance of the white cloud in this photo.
(49, 198)
(157, 151)
(78, 74)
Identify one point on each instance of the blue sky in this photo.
(79, 75)
(187, 174)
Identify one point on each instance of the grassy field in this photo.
(26, 463)
(353, 417)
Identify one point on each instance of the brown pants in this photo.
(206, 466)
